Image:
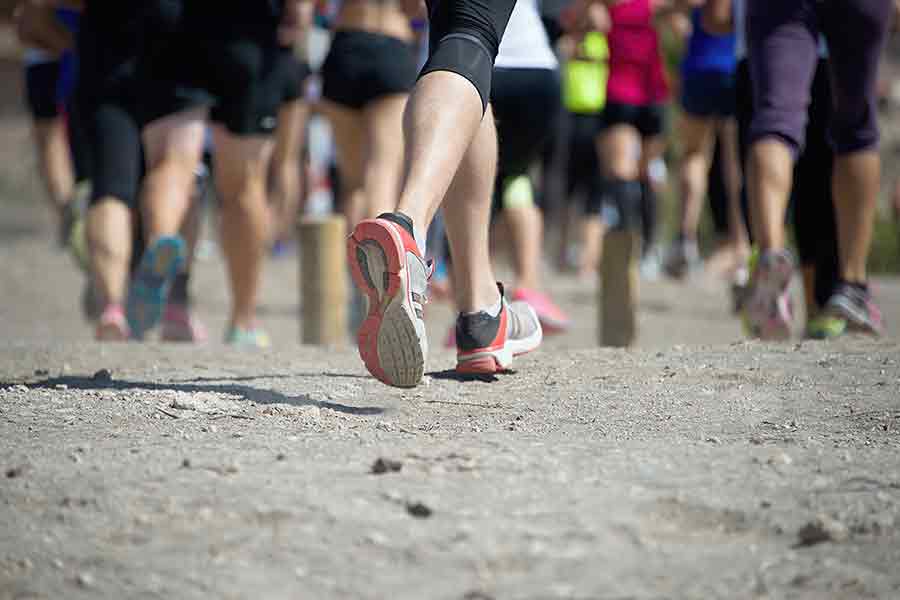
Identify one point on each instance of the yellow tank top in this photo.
(584, 77)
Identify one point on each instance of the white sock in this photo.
(493, 310)
(421, 238)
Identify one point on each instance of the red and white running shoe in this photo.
(486, 344)
(388, 268)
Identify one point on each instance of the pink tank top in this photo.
(636, 73)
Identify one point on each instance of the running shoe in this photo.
(857, 307)
(768, 308)
(112, 326)
(740, 289)
(253, 337)
(651, 265)
(388, 267)
(552, 317)
(682, 259)
(150, 286)
(825, 327)
(179, 325)
(486, 344)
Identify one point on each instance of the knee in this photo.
(468, 56)
(787, 126)
(855, 130)
(622, 168)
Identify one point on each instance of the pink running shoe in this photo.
(178, 325)
(768, 309)
(112, 326)
(552, 317)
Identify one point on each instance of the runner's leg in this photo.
(241, 168)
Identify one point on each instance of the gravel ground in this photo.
(696, 466)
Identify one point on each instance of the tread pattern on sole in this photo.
(387, 340)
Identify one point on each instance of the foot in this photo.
(254, 337)
(150, 286)
(857, 307)
(768, 309)
(388, 267)
(651, 265)
(552, 317)
(487, 344)
(179, 325)
(112, 326)
(682, 259)
(740, 289)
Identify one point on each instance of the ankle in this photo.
(243, 321)
(483, 301)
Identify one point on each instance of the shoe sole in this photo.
(387, 340)
(773, 289)
(150, 286)
(497, 361)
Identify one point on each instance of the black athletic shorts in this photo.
(648, 119)
(525, 103)
(222, 55)
(293, 72)
(106, 98)
(40, 89)
(362, 67)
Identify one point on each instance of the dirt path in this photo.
(706, 469)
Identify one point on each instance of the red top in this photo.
(636, 73)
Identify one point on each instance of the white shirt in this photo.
(525, 44)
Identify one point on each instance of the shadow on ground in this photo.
(252, 394)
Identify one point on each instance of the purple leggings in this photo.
(782, 46)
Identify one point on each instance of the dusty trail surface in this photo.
(710, 469)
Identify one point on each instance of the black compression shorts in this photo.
(464, 38)
(362, 67)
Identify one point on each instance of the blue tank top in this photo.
(68, 62)
(707, 52)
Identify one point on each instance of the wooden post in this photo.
(323, 280)
(619, 279)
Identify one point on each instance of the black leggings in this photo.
(583, 171)
(517, 95)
